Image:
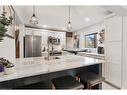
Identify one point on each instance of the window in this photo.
(91, 40)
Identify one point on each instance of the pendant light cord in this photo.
(69, 14)
(34, 10)
(4, 10)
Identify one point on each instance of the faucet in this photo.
(48, 56)
(50, 41)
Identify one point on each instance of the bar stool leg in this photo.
(77, 78)
(88, 85)
(53, 87)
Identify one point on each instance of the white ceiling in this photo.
(57, 16)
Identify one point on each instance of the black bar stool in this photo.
(38, 85)
(90, 78)
(67, 82)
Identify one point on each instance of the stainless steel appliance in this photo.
(32, 46)
(53, 40)
(100, 50)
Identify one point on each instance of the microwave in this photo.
(56, 41)
(53, 40)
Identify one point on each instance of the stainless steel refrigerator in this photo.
(32, 46)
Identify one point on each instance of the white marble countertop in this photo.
(96, 54)
(34, 66)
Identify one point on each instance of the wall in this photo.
(87, 30)
(21, 35)
(69, 43)
(124, 72)
(45, 34)
(7, 48)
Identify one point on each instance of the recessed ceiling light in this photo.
(64, 28)
(44, 26)
(87, 19)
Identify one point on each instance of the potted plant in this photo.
(1, 67)
(8, 66)
(4, 22)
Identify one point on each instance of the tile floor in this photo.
(106, 86)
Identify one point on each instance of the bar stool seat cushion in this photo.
(39, 85)
(67, 82)
(90, 77)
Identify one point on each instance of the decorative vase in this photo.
(1, 70)
(8, 70)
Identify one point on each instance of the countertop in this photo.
(25, 67)
(94, 54)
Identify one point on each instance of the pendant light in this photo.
(33, 19)
(69, 26)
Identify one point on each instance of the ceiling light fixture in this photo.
(69, 26)
(87, 19)
(45, 26)
(33, 19)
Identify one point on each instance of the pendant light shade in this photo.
(69, 26)
(33, 19)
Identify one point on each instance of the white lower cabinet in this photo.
(113, 73)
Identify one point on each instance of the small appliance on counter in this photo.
(55, 53)
(53, 40)
(100, 50)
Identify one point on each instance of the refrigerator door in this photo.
(37, 46)
(32, 46)
(28, 46)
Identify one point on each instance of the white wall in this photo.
(124, 70)
(91, 29)
(45, 34)
(69, 42)
(7, 48)
(21, 35)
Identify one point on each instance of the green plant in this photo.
(5, 63)
(4, 22)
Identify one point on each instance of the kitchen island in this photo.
(93, 55)
(28, 70)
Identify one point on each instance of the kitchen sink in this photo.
(52, 58)
(56, 58)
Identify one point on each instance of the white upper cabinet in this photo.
(113, 27)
